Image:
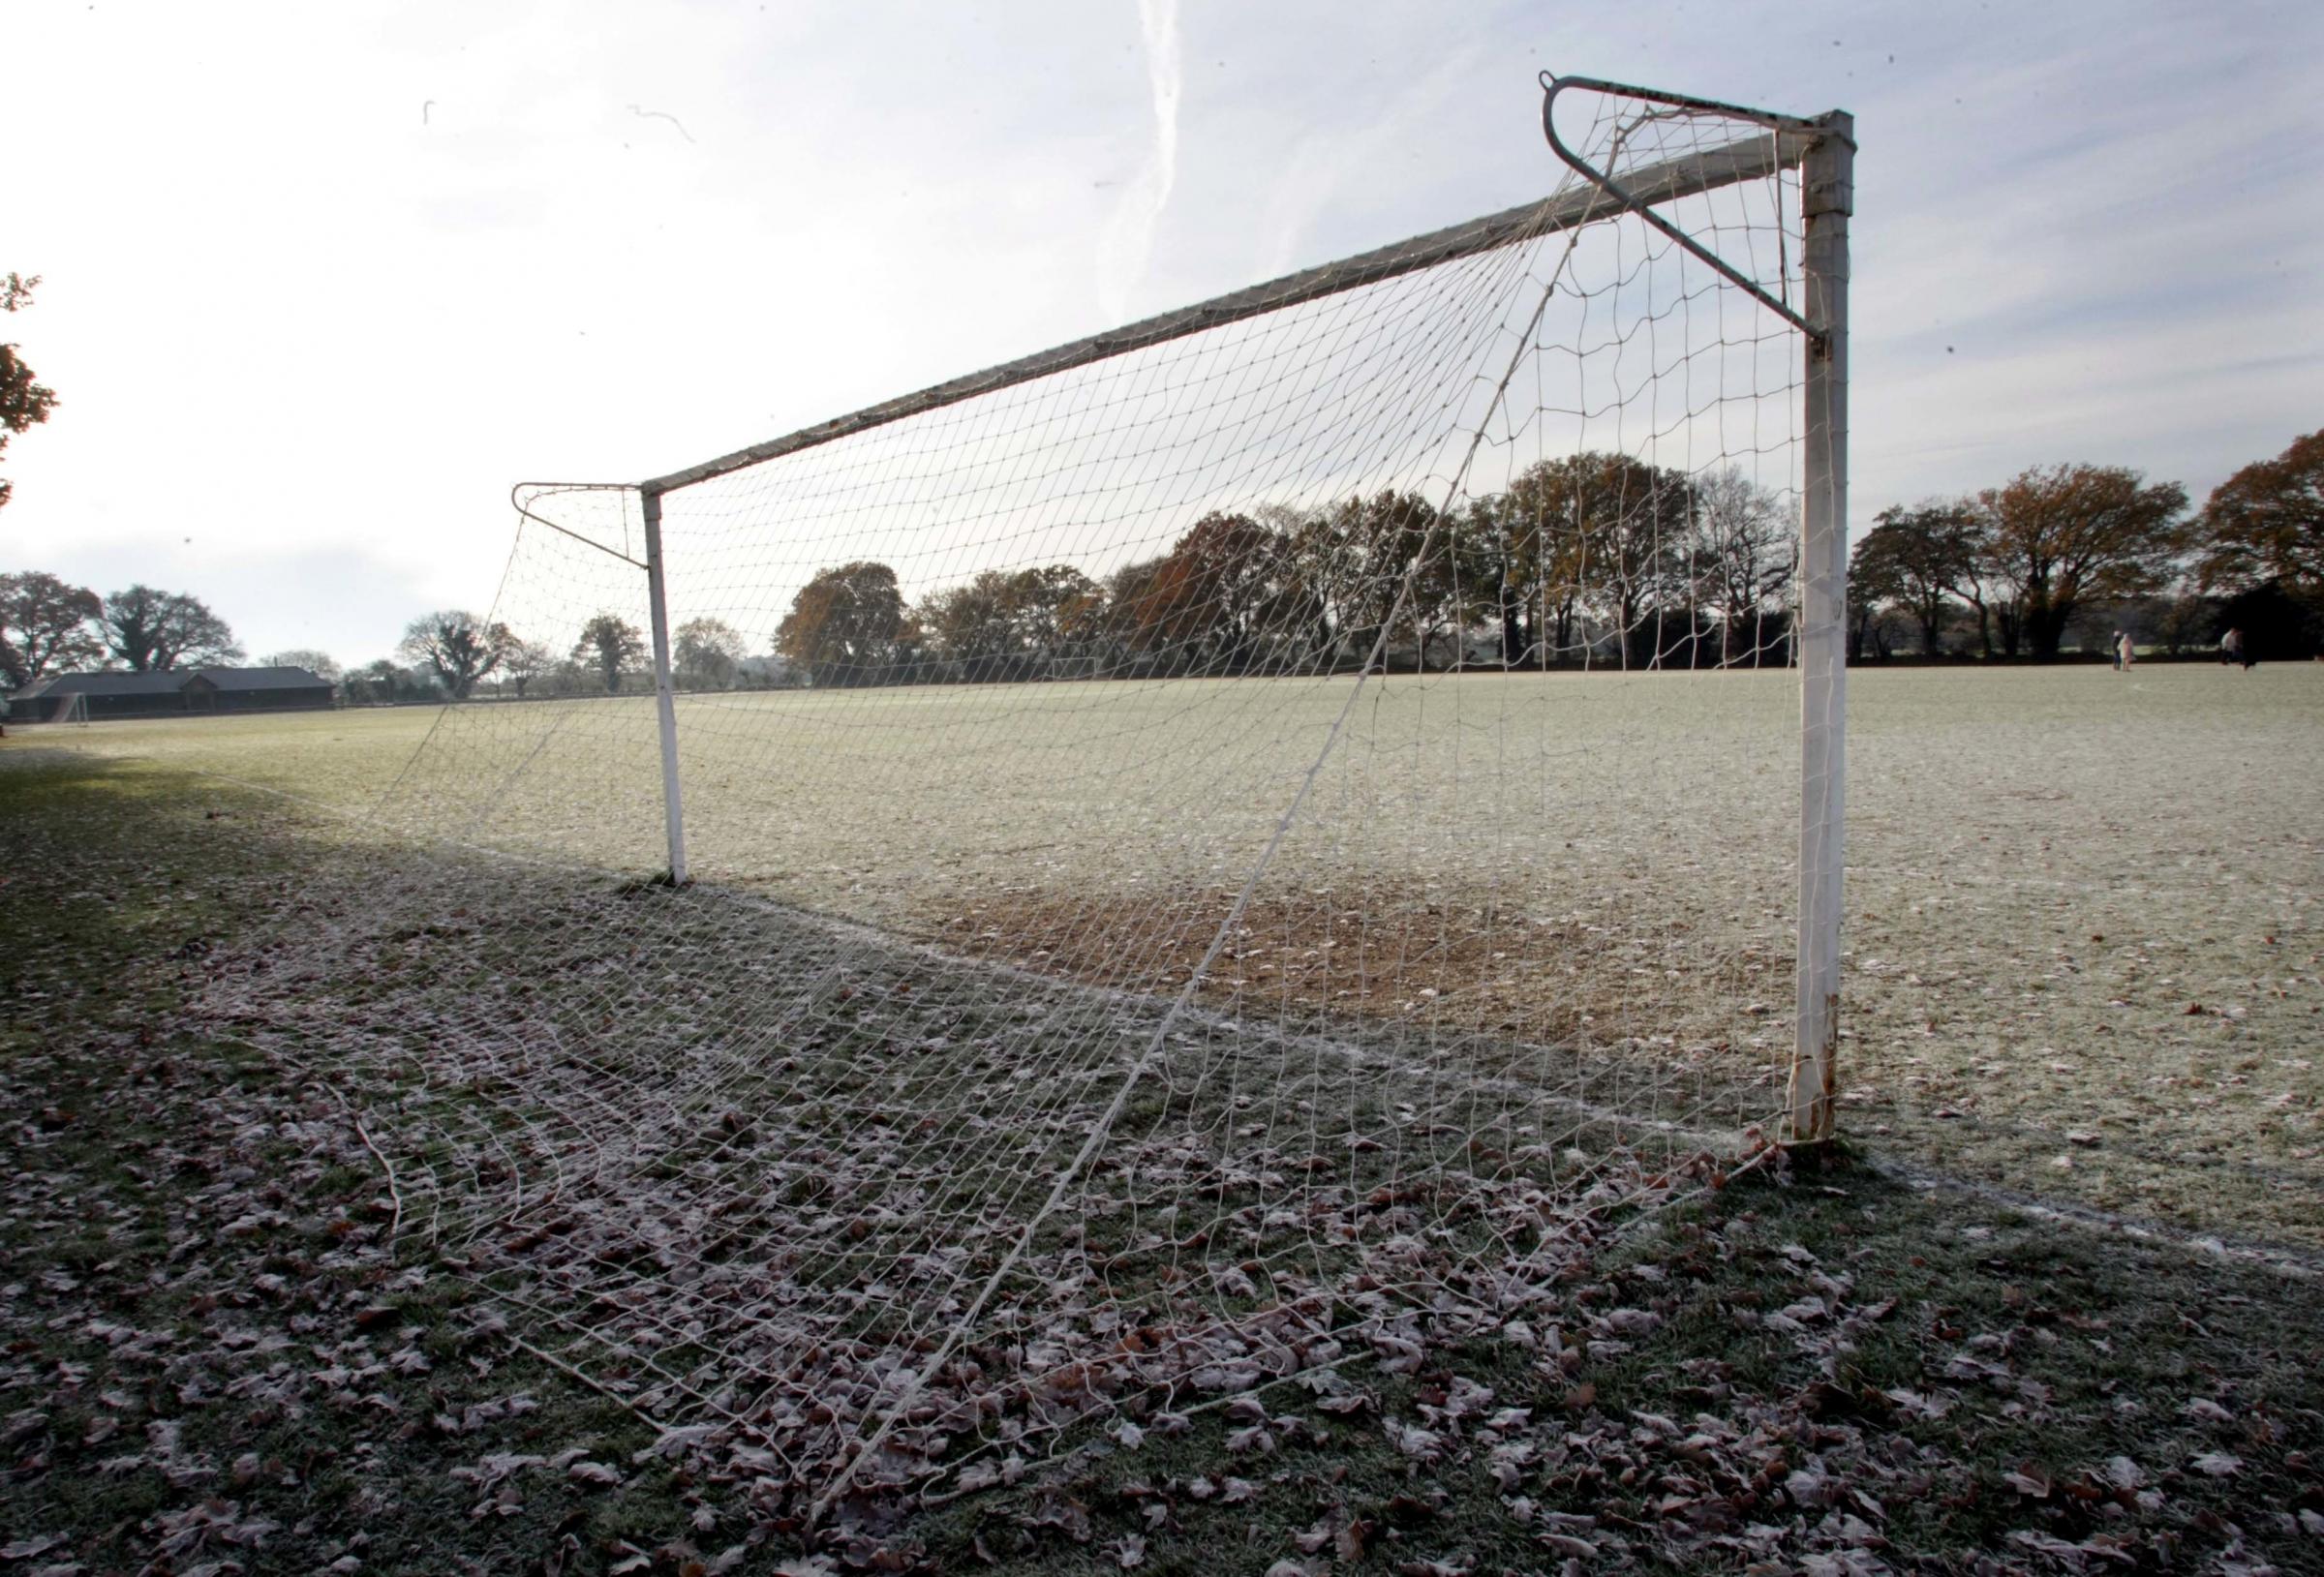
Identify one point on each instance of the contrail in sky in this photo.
(1129, 239)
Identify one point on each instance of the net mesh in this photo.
(73, 706)
(1206, 863)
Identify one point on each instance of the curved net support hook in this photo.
(524, 496)
(1783, 148)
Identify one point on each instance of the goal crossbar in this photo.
(1751, 159)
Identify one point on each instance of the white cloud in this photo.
(1129, 240)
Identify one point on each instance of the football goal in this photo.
(1177, 864)
(71, 707)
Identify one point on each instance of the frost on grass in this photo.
(842, 1213)
(2082, 933)
(230, 1269)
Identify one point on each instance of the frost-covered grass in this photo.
(2084, 947)
(212, 1356)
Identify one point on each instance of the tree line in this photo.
(50, 627)
(1601, 559)
(2063, 553)
(453, 653)
(1590, 558)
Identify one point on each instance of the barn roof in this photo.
(259, 679)
(104, 684)
(231, 680)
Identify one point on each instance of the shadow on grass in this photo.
(212, 1354)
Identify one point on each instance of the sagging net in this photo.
(71, 707)
(1206, 863)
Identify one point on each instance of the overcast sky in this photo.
(322, 281)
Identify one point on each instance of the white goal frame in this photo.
(71, 709)
(1822, 149)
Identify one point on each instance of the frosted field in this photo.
(2083, 938)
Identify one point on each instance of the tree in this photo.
(1220, 597)
(708, 654)
(45, 624)
(457, 645)
(1324, 574)
(845, 624)
(525, 661)
(1335, 578)
(2278, 627)
(1539, 596)
(2185, 620)
(973, 623)
(155, 632)
(380, 682)
(1131, 611)
(612, 643)
(1000, 623)
(1984, 585)
(1053, 609)
(2062, 534)
(318, 664)
(2266, 523)
(1400, 550)
(22, 402)
(1874, 581)
(1925, 555)
(1613, 532)
(1744, 556)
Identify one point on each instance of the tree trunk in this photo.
(2045, 629)
(1930, 640)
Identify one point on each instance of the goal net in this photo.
(70, 708)
(1218, 854)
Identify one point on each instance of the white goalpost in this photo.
(70, 709)
(1236, 845)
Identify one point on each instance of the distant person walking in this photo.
(2126, 651)
(2114, 649)
(2232, 648)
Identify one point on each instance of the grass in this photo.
(2083, 950)
(214, 1354)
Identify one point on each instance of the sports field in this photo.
(379, 1196)
(2083, 935)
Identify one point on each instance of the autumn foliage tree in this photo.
(2060, 536)
(1394, 549)
(1921, 556)
(2266, 523)
(1217, 596)
(974, 623)
(1610, 532)
(845, 624)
